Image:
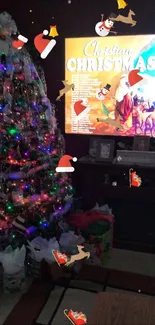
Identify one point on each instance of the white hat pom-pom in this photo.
(74, 159)
(45, 32)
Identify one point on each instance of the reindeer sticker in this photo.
(65, 89)
(111, 121)
(77, 257)
(126, 19)
(62, 259)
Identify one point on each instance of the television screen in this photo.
(110, 84)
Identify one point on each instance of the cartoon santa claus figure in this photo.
(124, 101)
(124, 104)
(103, 28)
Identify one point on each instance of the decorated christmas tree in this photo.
(32, 193)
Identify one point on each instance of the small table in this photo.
(123, 309)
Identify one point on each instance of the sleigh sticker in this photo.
(59, 257)
(62, 258)
(76, 318)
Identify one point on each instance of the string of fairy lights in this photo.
(30, 148)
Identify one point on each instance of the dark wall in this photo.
(73, 20)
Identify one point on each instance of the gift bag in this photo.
(33, 267)
(13, 263)
(14, 282)
(99, 241)
(40, 249)
(68, 243)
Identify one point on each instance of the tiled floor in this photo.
(109, 289)
(8, 302)
(77, 300)
(129, 261)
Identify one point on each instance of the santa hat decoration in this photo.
(134, 77)
(80, 109)
(44, 46)
(64, 165)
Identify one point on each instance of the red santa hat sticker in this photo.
(134, 77)
(45, 46)
(81, 109)
(64, 165)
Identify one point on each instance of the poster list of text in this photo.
(84, 88)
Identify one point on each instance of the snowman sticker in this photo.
(101, 93)
(103, 28)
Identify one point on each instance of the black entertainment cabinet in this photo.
(134, 208)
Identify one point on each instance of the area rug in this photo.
(43, 304)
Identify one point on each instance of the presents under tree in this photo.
(96, 227)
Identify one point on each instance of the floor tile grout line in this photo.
(83, 289)
(132, 290)
(106, 281)
(42, 307)
(57, 306)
